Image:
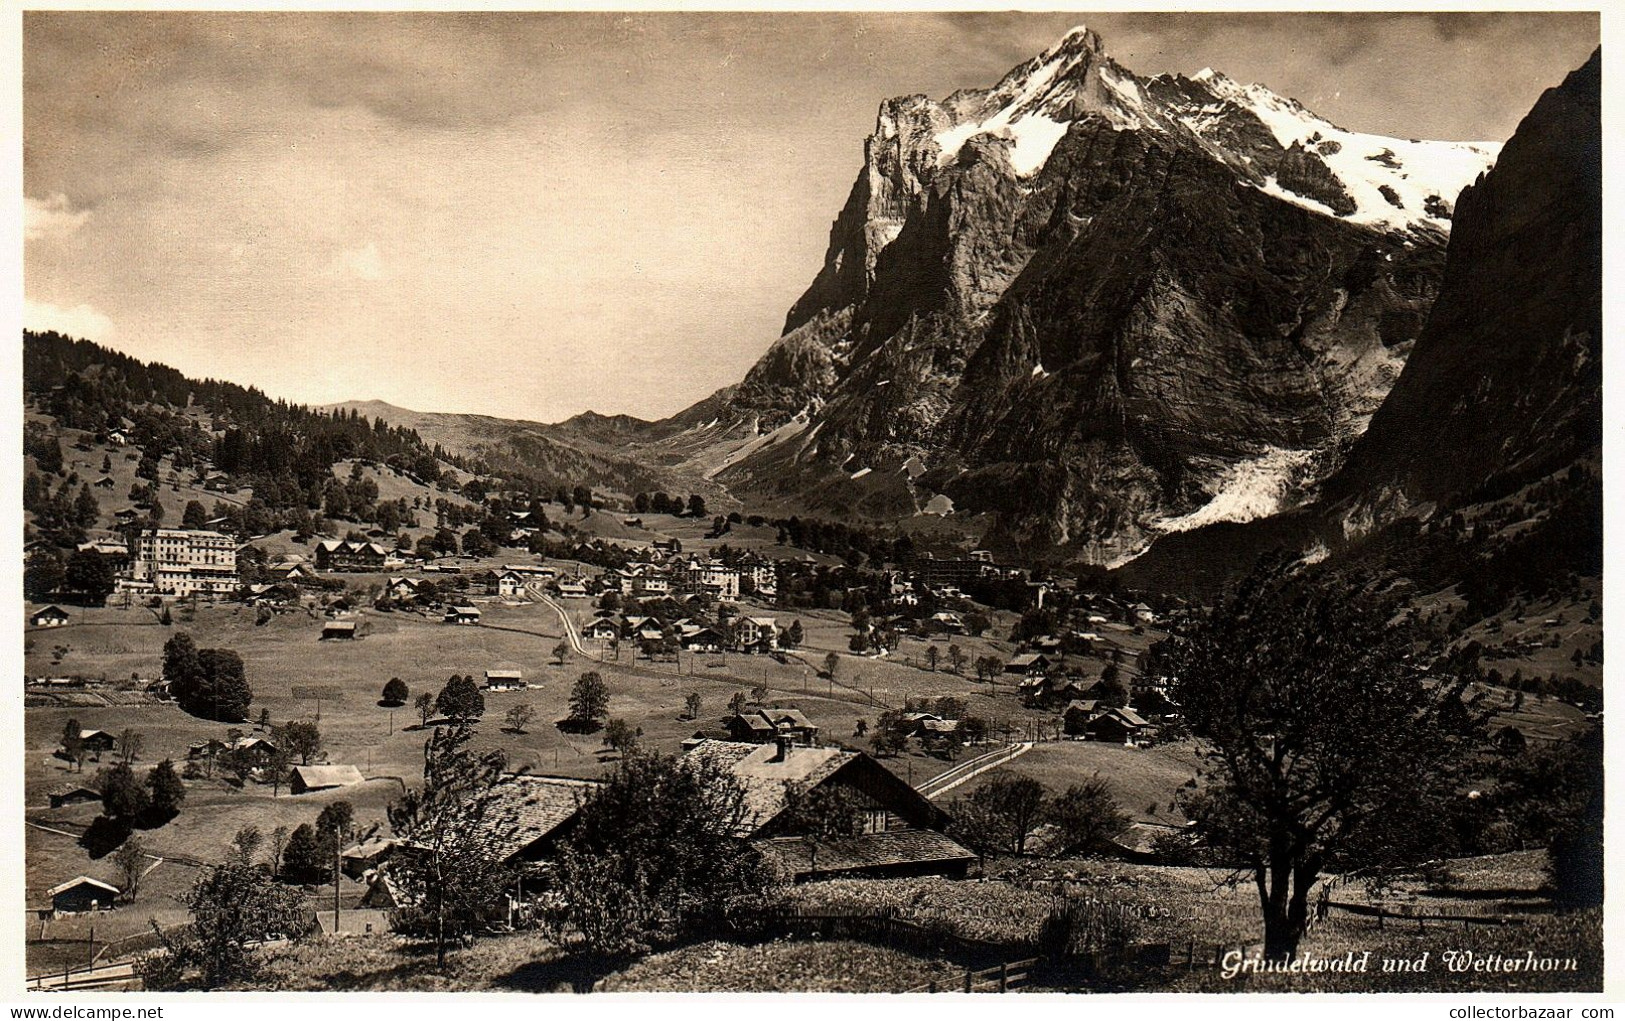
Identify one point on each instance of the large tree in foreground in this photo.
(659, 853)
(1326, 741)
(450, 871)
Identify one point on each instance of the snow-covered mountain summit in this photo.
(1274, 143)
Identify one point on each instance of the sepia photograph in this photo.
(765, 501)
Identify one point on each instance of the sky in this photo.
(533, 215)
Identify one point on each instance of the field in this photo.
(1144, 780)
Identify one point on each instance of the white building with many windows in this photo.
(179, 562)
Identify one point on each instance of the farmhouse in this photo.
(900, 832)
(527, 815)
(321, 778)
(81, 894)
(403, 588)
(511, 584)
(462, 615)
(602, 628)
(206, 749)
(73, 794)
(1028, 664)
(255, 749)
(98, 741)
(358, 859)
(344, 629)
(504, 678)
(51, 616)
(767, 724)
(572, 590)
(1078, 714)
(1118, 725)
(699, 638)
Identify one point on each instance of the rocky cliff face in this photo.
(1500, 401)
(1505, 384)
(1093, 308)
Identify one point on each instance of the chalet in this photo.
(403, 588)
(50, 616)
(294, 569)
(900, 832)
(359, 859)
(1028, 664)
(98, 741)
(572, 590)
(337, 629)
(126, 515)
(73, 794)
(320, 778)
(699, 638)
(527, 815)
(762, 725)
(118, 438)
(344, 555)
(946, 623)
(81, 894)
(504, 678)
(1079, 714)
(757, 634)
(667, 547)
(1117, 725)
(601, 628)
(512, 585)
(257, 750)
(463, 614)
(206, 749)
(105, 482)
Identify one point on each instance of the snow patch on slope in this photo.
(1252, 489)
(1419, 175)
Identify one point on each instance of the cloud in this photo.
(53, 216)
(80, 321)
(357, 264)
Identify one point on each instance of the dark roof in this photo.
(868, 851)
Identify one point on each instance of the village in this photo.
(914, 696)
(695, 650)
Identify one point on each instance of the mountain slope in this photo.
(1092, 307)
(588, 449)
(1497, 417)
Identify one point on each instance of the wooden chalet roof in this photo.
(524, 809)
(81, 881)
(767, 782)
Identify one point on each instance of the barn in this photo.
(50, 616)
(338, 629)
(81, 894)
(74, 794)
(321, 778)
